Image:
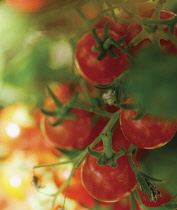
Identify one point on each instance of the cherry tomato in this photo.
(105, 183)
(164, 198)
(101, 72)
(75, 190)
(134, 29)
(70, 133)
(63, 91)
(27, 6)
(118, 27)
(148, 132)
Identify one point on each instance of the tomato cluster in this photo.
(91, 128)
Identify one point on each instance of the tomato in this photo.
(101, 72)
(70, 133)
(63, 91)
(164, 198)
(105, 183)
(134, 29)
(75, 190)
(27, 6)
(148, 132)
(118, 27)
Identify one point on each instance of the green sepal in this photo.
(49, 113)
(54, 97)
(70, 153)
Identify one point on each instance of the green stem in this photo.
(84, 87)
(52, 164)
(91, 109)
(83, 155)
(64, 185)
(132, 201)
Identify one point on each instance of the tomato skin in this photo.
(105, 183)
(147, 132)
(118, 27)
(27, 6)
(101, 72)
(164, 198)
(134, 29)
(75, 190)
(71, 133)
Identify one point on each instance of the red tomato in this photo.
(124, 204)
(134, 29)
(118, 27)
(63, 91)
(75, 190)
(147, 132)
(105, 183)
(164, 198)
(27, 6)
(119, 139)
(101, 72)
(71, 133)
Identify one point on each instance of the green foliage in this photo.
(153, 82)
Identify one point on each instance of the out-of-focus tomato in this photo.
(16, 175)
(118, 27)
(27, 6)
(70, 133)
(75, 190)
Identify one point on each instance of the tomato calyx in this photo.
(115, 90)
(153, 27)
(103, 158)
(105, 45)
(62, 111)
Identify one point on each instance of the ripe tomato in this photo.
(134, 29)
(75, 190)
(101, 72)
(147, 132)
(71, 133)
(105, 183)
(164, 198)
(118, 27)
(27, 6)
(63, 91)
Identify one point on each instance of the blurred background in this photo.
(37, 41)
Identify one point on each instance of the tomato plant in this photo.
(101, 72)
(75, 189)
(134, 29)
(27, 5)
(148, 132)
(105, 183)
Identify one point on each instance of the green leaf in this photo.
(152, 81)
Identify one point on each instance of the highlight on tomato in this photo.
(27, 6)
(105, 183)
(134, 29)
(148, 132)
(96, 71)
